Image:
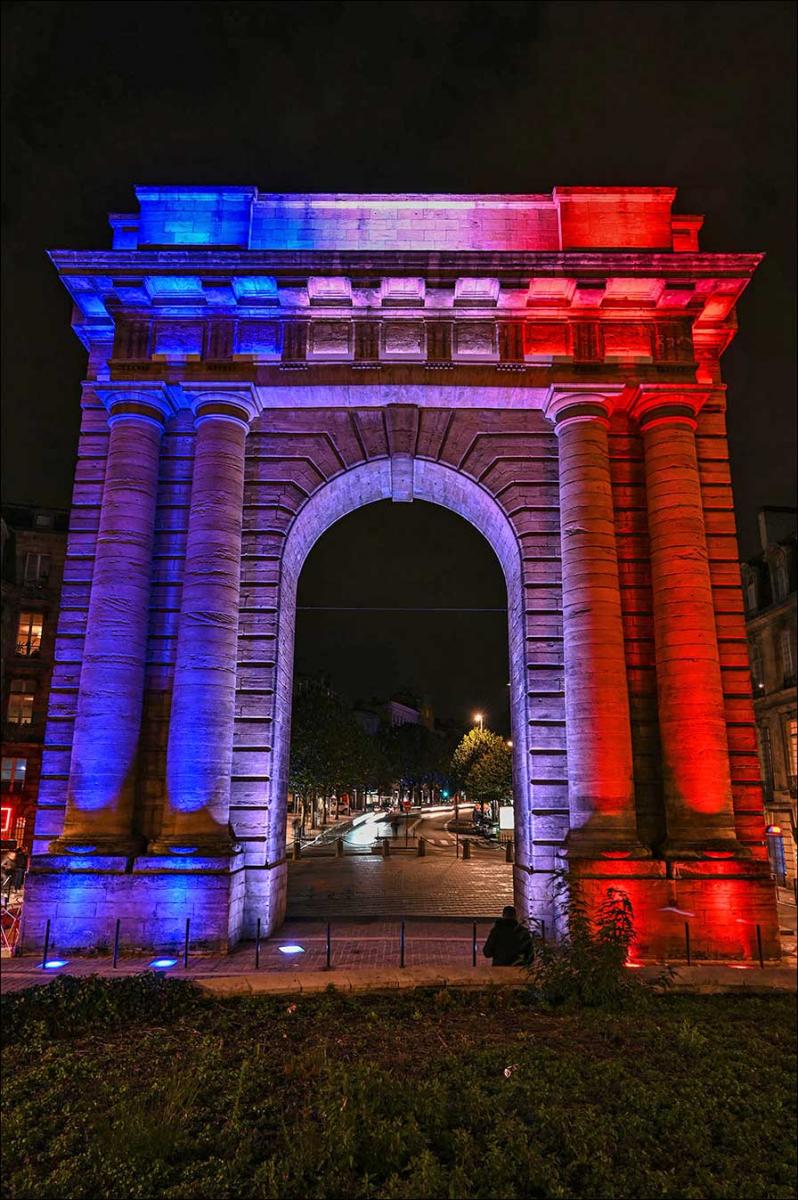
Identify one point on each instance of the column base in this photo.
(685, 848)
(723, 900)
(214, 845)
(151, 896)
(88, 846)
(582, 843)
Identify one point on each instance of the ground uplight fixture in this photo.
(53, 964)
(291, 949)
(163, 964)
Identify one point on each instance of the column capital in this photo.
(661, 404)
(237, 404)
(150, 402)
(565, 405)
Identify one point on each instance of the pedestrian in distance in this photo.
(508, 944)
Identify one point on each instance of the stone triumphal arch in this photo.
(259, 365)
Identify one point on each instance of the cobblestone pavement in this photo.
(363, 944)
(402, 885)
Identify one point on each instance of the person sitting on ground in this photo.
(508, 943)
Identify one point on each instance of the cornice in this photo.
(444, 263)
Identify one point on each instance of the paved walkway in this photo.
(365, 953)
(402, 885)
(354, 945)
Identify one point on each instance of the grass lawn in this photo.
(144, 1087)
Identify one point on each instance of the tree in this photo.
(330, 751)
(491, 775)
(482, 764)
(417, 756)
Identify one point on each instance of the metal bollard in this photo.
(386, 848)
(466, 849)
(116, 943)
(508, 852)
(339, 847)
(543, 932)
(185, 945)
(687, 942)
(759, 946)
(474, 944)
(46, 942)
(257, 946)
(422, 847)
(296, 852)
(402, 944)
(329, 947)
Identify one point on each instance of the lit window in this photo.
(29, 634)
(12, 775)
(37, 568)
(20, 702)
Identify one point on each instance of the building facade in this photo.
(33, 550)
(769, 588)
(259, 365)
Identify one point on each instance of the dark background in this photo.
(471, 97)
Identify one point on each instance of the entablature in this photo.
(406, 307)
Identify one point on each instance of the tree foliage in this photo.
(331, 752)
(482, 764)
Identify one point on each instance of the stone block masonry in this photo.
(547, 367)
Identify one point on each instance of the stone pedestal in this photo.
(151, 895)
(722, 901)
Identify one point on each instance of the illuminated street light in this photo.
(478, 719)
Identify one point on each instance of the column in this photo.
(598, 729)
(692, 721)
(200, 747)
(101, 790)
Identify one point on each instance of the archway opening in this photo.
(401, 652)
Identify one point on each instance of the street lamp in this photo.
(479, 719)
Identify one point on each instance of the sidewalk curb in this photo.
(699, 980)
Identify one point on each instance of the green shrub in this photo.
(71, 1005)
(587, 966)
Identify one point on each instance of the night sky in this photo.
(462, 97)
